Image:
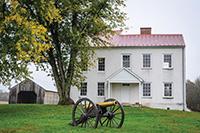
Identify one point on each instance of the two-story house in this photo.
(145, 68)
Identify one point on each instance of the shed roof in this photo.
(40, 78)
(39, 84)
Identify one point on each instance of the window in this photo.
(126, 61)
(146, 89)
(168, 89)
(101, 64)
(83, 91)
(146, 60)
(125, 84)
(168, 60)
(101, 87)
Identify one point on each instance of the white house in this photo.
(145, 68)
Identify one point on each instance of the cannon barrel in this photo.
(107, 104)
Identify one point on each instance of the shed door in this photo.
(26, 97)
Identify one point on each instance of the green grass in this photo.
(55, 119)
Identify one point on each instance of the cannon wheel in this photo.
(117, 117)
(85, 113)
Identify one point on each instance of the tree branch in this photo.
(95, 14)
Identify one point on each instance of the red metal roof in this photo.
(149, 40)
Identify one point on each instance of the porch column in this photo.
(140, 93)
(108, 89)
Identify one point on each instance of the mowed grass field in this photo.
(56, 119)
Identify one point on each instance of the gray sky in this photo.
(170, 16)
(166, 16)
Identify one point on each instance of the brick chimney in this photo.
(145, 30)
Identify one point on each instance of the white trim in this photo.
(109, 90)
(146, 68)
(81, 96)
(101, 72)
(140, 93)
(183, 79)
(146, 97)
(169, 68)
(101, 96)
(124, 82)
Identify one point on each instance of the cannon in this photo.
(109, 113)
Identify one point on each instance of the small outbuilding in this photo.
(28, 91)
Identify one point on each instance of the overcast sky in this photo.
(166, 16)
(170, 16)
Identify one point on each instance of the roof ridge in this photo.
(150, 35)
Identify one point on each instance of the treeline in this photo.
(4, 96)
(193, 94)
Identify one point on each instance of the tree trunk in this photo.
(63, 74)
(61, 83)
(64, 97)
(63, 91)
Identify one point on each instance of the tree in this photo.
(193, 95)
(57, 33)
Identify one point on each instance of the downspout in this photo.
(183, 78)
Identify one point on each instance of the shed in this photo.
(28, 91)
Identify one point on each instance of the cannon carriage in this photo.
(109, 113)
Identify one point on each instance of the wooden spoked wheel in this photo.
(85, 113)
(114, 116)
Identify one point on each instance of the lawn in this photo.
(55, 119)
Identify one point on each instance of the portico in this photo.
(125, 86)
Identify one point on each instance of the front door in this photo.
(121, 92)
(125, 94)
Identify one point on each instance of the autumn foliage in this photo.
(55, 33)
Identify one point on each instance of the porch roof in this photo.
(124, 75)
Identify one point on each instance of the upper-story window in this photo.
(83, 90)
(167, 89)
(101, 64)
(101, 88)
(167, 60)
(126, 60)
(147, 89)
(146, 60)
